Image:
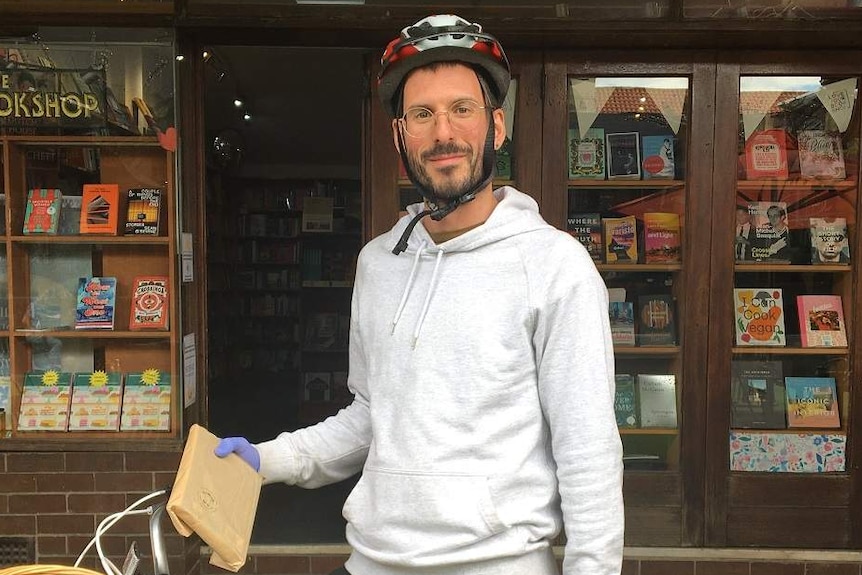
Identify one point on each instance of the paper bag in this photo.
(216, 498)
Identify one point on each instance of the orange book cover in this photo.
(149, 309)
(100, 209)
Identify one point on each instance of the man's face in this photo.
(447, 161)
(774, 216)
(742, 217)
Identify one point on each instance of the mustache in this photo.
(444, 148)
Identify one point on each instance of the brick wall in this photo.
(57, 500)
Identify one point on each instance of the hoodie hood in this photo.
(516, 213)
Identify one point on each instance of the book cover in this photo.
(821, 321)
(96, 401)
(587, 229)
(95, 303)
(658, 158)
(812, 402)
(317, 214)
(657, 400)
(759, 316)
(587, 154)
(621, 240)
(45, 400)
(770, 240)
(100, 208)
(821, 155)
(149, 303)
(317, 386)
(656, 320)
(624, 158)
(757, 395)
(829, 243)
(146, 401)
(622, 320)
(321, 331)
(143, 211)
(42, 213)
(70, 216)
(662, 238)
(766, 155)
(625, 401)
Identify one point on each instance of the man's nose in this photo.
(442, 129)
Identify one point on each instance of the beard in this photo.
(452, 186)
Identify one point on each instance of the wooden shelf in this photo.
(799, 184)
(646, 184)
(91, 334)
(93, 240)
(639, 267)
(90, 441)
(656, 351)
(649, 431)
(794, 431)
(778, 350)
(93, 141)
(791, 268)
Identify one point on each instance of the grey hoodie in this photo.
(483, 375)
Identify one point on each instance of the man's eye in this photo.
(462, 110)
(421, 114)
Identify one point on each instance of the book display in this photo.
(74, 336)
(635, 205)
(793, 278)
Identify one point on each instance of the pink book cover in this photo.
(821, 321)
(661, 238)
(766, 154)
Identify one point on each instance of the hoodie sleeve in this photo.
(333, 449)
(576, 385)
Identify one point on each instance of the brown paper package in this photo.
(216, 498)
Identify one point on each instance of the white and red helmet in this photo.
(441, 38)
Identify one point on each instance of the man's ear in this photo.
(499, 119)
(395, 128)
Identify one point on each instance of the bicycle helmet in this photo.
(443, 38)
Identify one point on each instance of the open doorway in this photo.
(283, 135)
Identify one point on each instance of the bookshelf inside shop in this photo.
(77, 365)
(281, 258)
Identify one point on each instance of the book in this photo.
(821, 155)
(149, 303)
(70, 216)
(317, 386)
(587, 229)
(812, 402)
(587, 154)
(624, 160)
(621, 240)
(658, 157)
(744, 237)
(100, 208)
(625, 401)
(621, 314)
(766, 155)
(656, 320)
(821, 321)
(317, 214)
(42, 213)
(657, 400)
(759, 316)
(96, 401)
(45, 400)
(143, 210)
(770, 241)
(146, 401)
(829, 243)
(757, 395)
(662, 238)
(321, 331)
(95, 303)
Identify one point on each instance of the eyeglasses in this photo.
(463, 116)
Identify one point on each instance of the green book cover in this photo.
(625, 401)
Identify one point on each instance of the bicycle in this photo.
(132, 560)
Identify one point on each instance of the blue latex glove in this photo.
(239, 445)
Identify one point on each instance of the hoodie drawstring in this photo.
(409, 285)
(427, 298)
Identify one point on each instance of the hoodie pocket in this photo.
(417, 513)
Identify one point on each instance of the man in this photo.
(480, 360)
(829, 244)
(742, 241)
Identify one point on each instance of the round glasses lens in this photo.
(461, 115)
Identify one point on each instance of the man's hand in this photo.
(239, 445)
